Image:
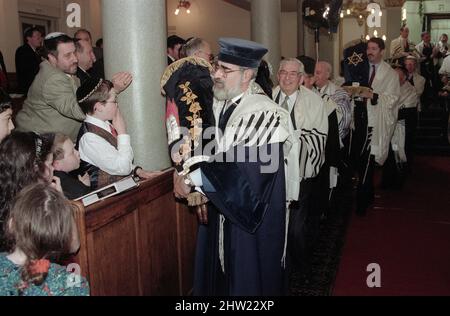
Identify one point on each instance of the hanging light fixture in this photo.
(183, 4)
(358, 9)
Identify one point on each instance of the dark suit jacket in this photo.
(98, 70)
(72, 187)
(3, 67)
(2, 62)
(27, 67)
(82, 75)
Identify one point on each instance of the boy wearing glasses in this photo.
(105, 148)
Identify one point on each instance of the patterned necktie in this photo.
(114, 131)
(285, 104)
(372, 77)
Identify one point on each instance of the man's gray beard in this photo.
(222, 94)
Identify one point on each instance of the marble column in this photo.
(135, 34)
(266, 28)
(300, 29)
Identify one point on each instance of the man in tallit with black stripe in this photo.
(375, 115)
(394, 168)
(241, 251)
(310, 121)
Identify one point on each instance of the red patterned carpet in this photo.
(407, 233)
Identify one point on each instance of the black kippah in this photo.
(88, 88)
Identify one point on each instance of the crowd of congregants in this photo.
(70, 138)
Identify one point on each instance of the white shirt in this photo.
(98, 152)
(445, 69)
(291, 102)
(228, 103)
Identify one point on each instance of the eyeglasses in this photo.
(112, 102)
(291, 74)
(226, 71)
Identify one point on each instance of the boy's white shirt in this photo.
(98, 152)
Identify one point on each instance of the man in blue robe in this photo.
(241, 249)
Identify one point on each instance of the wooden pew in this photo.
(138, 243)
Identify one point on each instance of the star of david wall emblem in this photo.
(355, 59)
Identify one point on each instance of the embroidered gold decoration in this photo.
(178, 64)
(355, 59)
(195, 132)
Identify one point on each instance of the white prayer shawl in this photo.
(445, 68)
(240, 129)
(408, 96)
(398, 47)
(330, 105)
(398, 142)
(344, 106)
(308, 150)
(408, 99)
(383, 116)
(419, 84)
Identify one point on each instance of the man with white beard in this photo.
(242, 249)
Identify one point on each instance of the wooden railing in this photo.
(138, 243)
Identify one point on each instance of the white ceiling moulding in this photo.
(291, 5)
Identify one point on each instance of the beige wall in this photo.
(9, 32)
(55, 9)
(289, 34)
(212, 19)
(209, 19)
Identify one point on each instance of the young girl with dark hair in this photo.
(41, 228)
(25, 158)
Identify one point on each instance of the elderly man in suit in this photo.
(52, 105)
(86, 63)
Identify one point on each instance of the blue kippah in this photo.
(241, 52)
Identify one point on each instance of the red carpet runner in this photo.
(407, 233)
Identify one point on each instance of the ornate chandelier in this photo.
(358, 9)
(183, 4)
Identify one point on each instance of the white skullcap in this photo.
(54, 35)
